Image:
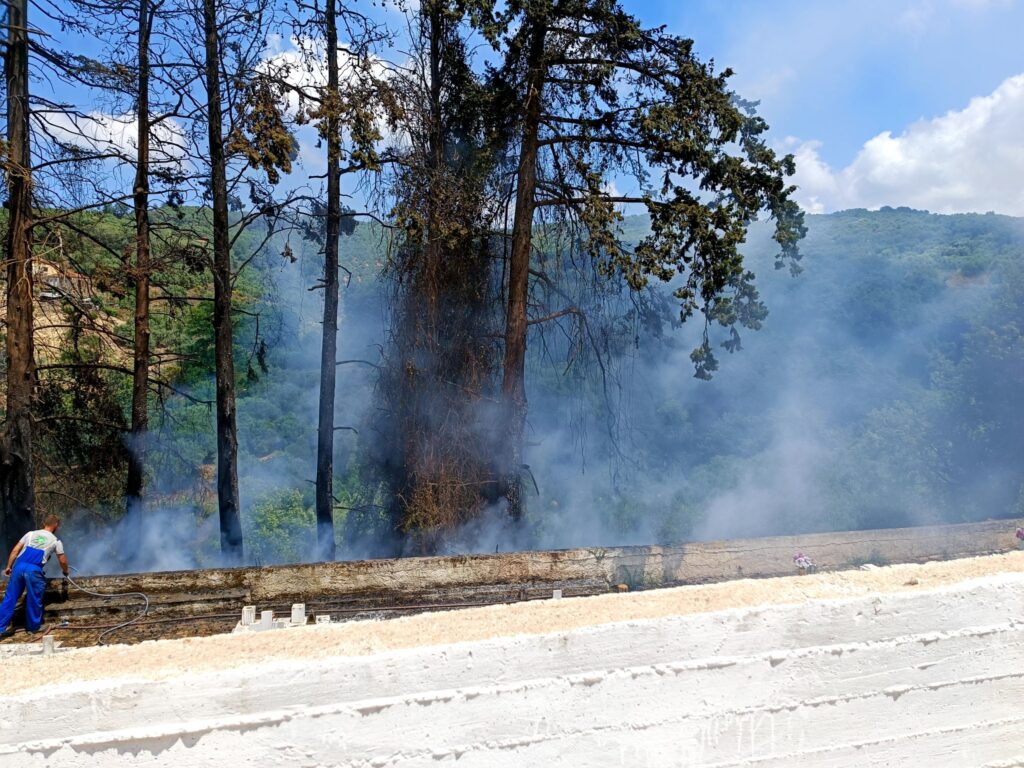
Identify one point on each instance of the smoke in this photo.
(880, 392)
(276, 419)
(172, 539)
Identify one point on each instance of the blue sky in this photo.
(833, 76)
(842, 72)
(884, 102)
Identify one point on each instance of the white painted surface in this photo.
(932, 679)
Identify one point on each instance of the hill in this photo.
(883, 390)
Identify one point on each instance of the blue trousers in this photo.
(27, 577)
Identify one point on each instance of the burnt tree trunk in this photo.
(329, 347)
(435, 452)
(513, 385)
(417, 395)
(135, 485)
(227, 436)
(17, 497)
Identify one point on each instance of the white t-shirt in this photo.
(40, 540)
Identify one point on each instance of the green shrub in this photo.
(281, 528)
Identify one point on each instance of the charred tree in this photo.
(79, 183)
(246, 145)
(513, 383)
(135, 484)
(17, 497)
(347, 122)
(228, 501)
(70, 185)
(432, 448)
(329, 345)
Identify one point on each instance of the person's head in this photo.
(51, 523)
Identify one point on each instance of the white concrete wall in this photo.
(932, 679)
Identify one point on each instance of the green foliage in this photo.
(874, 558)
(281, 528)
(261, 134)
(634, 578)
(640, 104)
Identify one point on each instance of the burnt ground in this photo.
(78, 622)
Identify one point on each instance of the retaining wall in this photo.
(638, 566)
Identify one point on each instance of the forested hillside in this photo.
(883, 390)
(879, 392)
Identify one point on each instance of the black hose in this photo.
(145, 607)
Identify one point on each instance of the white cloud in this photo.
(302, 61)
(967, 160)
(104, 133)
(791, 52)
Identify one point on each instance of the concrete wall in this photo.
(933, 678)
(640, 566)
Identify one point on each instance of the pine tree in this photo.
(251, 135)
(602, 101)
(17, 496)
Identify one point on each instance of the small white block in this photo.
(248, 615)
(556, 594)
(298, 613)
(266, 619)
(323, 618)
(48, 645)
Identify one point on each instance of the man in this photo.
(25, 569)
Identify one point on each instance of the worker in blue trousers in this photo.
(25, 572)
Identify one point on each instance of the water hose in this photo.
(142, 614)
